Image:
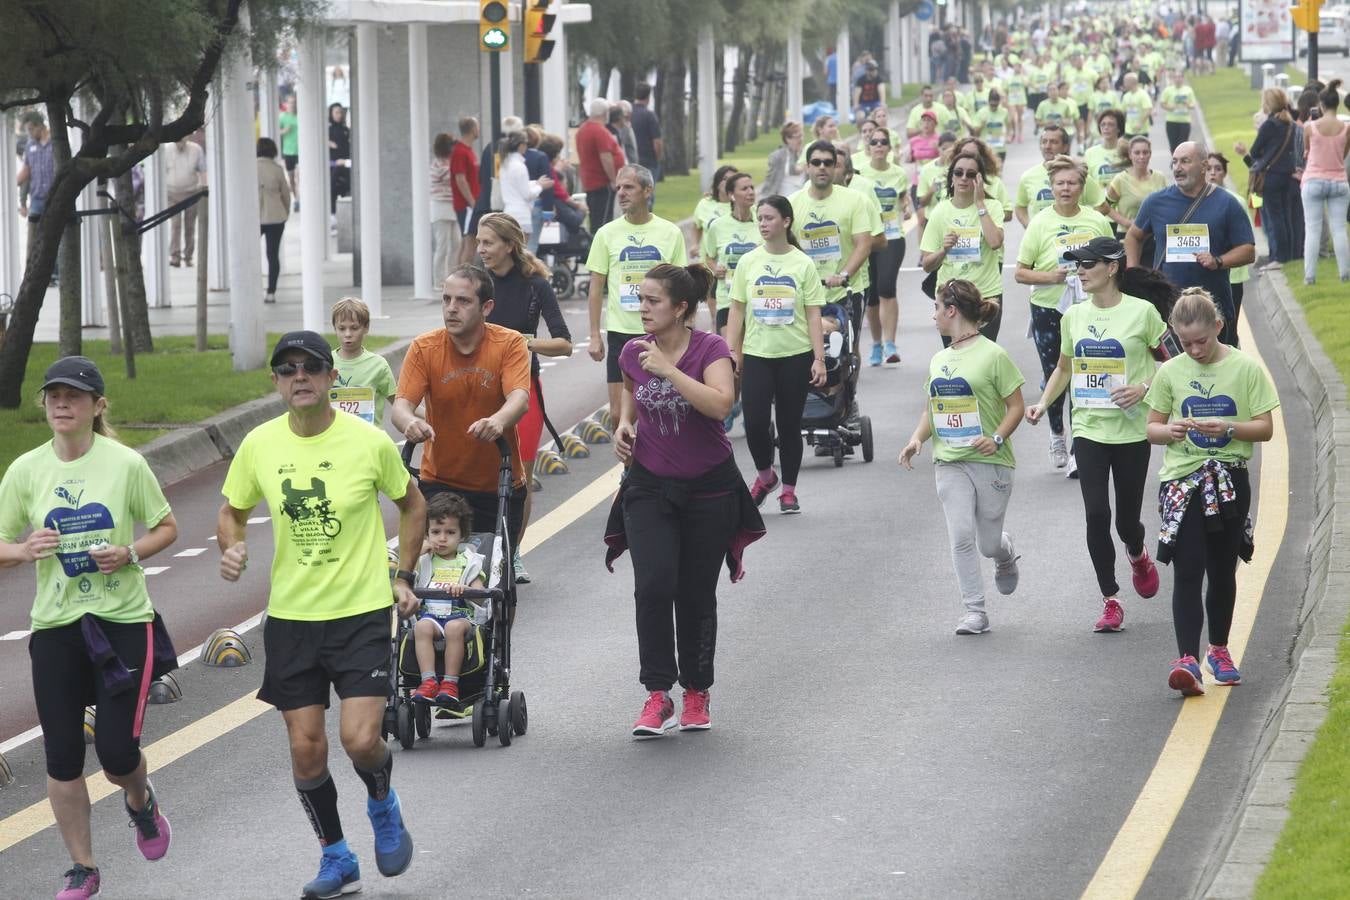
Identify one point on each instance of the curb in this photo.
(184, 451)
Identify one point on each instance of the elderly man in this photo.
(599, 160)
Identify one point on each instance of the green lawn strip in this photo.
(175, 386)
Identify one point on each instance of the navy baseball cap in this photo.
(1097, 248)
(308, 341)
(77, 371)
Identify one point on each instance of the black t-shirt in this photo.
(647, 130)
(340, 134)
(869, 90)
(520, 301)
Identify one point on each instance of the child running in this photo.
(975, 404)
(364, 379)
(449, 565)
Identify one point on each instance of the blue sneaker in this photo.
(339, 873)
(1185, 677)
(1221, 664)
(875, 358)
(393, 844)
(892, 356)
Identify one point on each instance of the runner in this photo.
(522, 292)
(890, 185)
(1177, 101)
(990, 123)
(1033, 189)
(974, 405)
(1109, 156)
(712, 204)
(1078, 80)
(678, 387)
(1106, 358)
(1104, 98)
(80, 496)
(1017, 99)
(727, 239)
(914, 122)
(1207, 407)
(621, 254)
(1137, 106)
(1216, 173)
(1128, 189)
(964, 239)
(327, 625)
(1057, 109)
(777, 344)
(1043, 263)
(993, 186)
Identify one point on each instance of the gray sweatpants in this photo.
(974, 499)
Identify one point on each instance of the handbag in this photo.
(1256, 181)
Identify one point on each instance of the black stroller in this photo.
(485, 677)
(830, 422)
(565, 258)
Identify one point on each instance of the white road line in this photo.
(194, 551)
(20, 739)
(15, 635)
(155, 570)
(258, 520)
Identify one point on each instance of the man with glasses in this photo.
(321, 472)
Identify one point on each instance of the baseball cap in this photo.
(308, 341)
(77, 371)
(928, 114)
(1097, 248)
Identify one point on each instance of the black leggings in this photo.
(1177, 133)
(272, 233)
(780, 384)
(1127, 466)
(677, 559)
(1237, 290)
(988, 329)
(65, 682)
(884, 269)
(1200, 552)
(1045, 330)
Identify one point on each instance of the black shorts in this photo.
(474, 215)
(484, 506)
(1034, 100)
(617, 340)
(870, 295)
(292, 160)
(304, 659)
(885, 270)
(464, 218)
(1083, 112)
(723, 315)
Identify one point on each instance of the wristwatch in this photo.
(133, 558)
(982, 212)
(998, 439)
(405, 575)
(1230, 431)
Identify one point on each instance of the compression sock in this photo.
(319, 798)
(377, 779)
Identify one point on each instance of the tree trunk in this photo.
(628, 79)
(719, 83)
(671, 107)
(134, 303)
(107, 226)
(121, 249)
(71, 320)
(758, 89)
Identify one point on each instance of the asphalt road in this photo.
(859, 747)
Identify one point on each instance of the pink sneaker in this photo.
(152, 829)
(658, 716)
(761, 488)
(1113, 617)
(694, 715)
(81, 884)
(1144, 574)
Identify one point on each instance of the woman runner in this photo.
(725, 241)
(1128, 189)
(891, 186)
(964, 238)
(712, 204)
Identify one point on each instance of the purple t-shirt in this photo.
(674, 439)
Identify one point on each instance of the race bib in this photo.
(1093, 378)
(1185, 242)
(1072, 241)
(890, 220)
(956, 420)
(822, 243)
(967, 246)
(993, 133)
(774, 304)
(359, 401)
(628, 289)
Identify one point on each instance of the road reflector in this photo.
(165, 689)
(574, 447)
(594, 433)
(550, 463)
(535, 484)
(6, 773)
(225, 649)
(90, 716)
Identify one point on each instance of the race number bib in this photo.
(890, 220)
(956, 420)
(967, 246)
(359, 401)
(1066, 242)
(822, 244)
(774, 304)
(993, 133)
(628, 289)
(1093, 378)
(1185, 242)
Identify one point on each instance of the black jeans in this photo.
(1202, 553)
(272, 234)
(1238, 291)
(780, 384)
(1177, 133)
(598, 203)
(1127, 466)
(677, 558)
(1045, 330)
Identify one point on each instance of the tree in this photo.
(142, 72)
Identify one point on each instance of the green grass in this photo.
(175, 386)
(1229, 102)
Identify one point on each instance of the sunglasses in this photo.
(311, 366)
(1088, 263)
(965, 173)
(881, 143)
(820, 161)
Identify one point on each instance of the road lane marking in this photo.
(155, 570)
(258, 520)
(571, 509)
(192, 551)
(1137, 844)
(15, 635)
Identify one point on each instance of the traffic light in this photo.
(494, 31)
(538, 23)
(1307, 15)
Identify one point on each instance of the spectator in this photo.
(785, 175)
(624, 130)
(274, 208)
(647, 131)
(1206, 36)
(487, 172)
(599, 160)
(1223, 34)
(1324, 182)
(445, 232)
(37, 173)
(965, 52)
(519, 191)
(937, 56)
(570, 212)
(536, 166)
(831, 73)
(464, 182)
(1272, 155)
(339, 160)
(869, 91)
(184, 163)
(1234, 41)
(289, 125)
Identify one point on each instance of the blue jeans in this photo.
(1336, 196)
(1283, 217)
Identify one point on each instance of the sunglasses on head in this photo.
(312, 366)
(882, 142)
(820, 161)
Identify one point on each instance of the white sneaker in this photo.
(1059, 452)
(1072, 471)
(973, 623)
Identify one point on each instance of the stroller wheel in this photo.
(479, 723)
(839, 454)
(422, 719)
(406, 734)
(563, 281)
(504, 727)
(519, 717)
(867, 438)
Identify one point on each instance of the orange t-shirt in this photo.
(459, 390)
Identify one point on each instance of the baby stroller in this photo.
(829, 422)
(485, 677)
(564, 258)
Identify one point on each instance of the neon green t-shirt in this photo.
(994, 125)
(329, 558)
(725, 241)
(1080, 84)
(1049, 236)
(1132, 191)
(1178, 102)
(1038, 77)
(775, 290)
(1109, 348)
(827, 228)
(1101, 102)
(1033, 191)
(1017, 89)
(966, 388)
(972, 258)
(1103, 164)
(1138, 108)
(866, 188)
(624, 253)
(1241, 274)
(932, 176)
(912, 121)
(1057, 112)
(889, 185)
(1235, 389)
(96, 499)
(708, 209)
(363, 385)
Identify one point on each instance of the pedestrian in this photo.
(621, 254)
(464, 184)
(274, 208)
(622, 126)
(1104, 99)
(784, 174)
(964, 239)
(647, 131)
(567, 210)
(96, 639)
(869, 91)
(519, 190)
(450, 565)
(1207, 407)
(1043, 263)
(1324, 185)
(1177, 101)
(445, 233)
(1216, 173)
(288, 124)
(683, 508)
(339, 160)
(487, 177)
(1016, 85)
(1106, 355)
(1110, 154)
(937, 55)
(990, 124)
(890, 186)
(537, 166)
(1127, 190)
(974, 404)
(37, 174)
(1198, 231)
(598, 162)
(1137, 106)
(777, 340)
(1271, 165)
(926, 107)
(184, 165)
(365, 381)
(327, 626)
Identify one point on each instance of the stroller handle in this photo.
(469, 594)
(503, 450)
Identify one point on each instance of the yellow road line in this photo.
(1155, 810)
(571, 509)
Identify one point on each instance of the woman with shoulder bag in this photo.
(1271, 160)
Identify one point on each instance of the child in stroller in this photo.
(449, 566)
(830, 420)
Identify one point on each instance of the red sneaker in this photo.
(1113, 617)
(658, 716)
(694, 715)
(449, 692)
(1144, 574)
(426, 691)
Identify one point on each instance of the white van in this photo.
(1333, 36)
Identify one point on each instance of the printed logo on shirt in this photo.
(486, 376)
(312, 521)
(663, 404)
(81, 526)
(1205, 404)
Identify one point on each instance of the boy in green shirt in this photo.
(365, 381)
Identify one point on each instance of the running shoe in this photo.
(81, 884)
(1006, 573)
(892, 357)
(1113, 617)
(658, 716)
(1185, 677)
(730, 421)
(522, 577)
(393, 844)
(426, 691)
(1144, 574)
(761, 488)
(875, 358)
(339, 874)
(787, 502)
(1221, 664)
(448, 693)
(694, 714)
(973, 623)
(1059, 453)
(152, 829)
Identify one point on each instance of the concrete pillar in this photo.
(11, 244)
(553, 84)
(267, 104)
(366, 124)
(707, 106)
(419, 140)
(893, 73)
(155, 242)
(238, 183)
(217, 235)
(313, 176)
(843, 91)
(510, 62)
(794, 73)
(907, 50)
